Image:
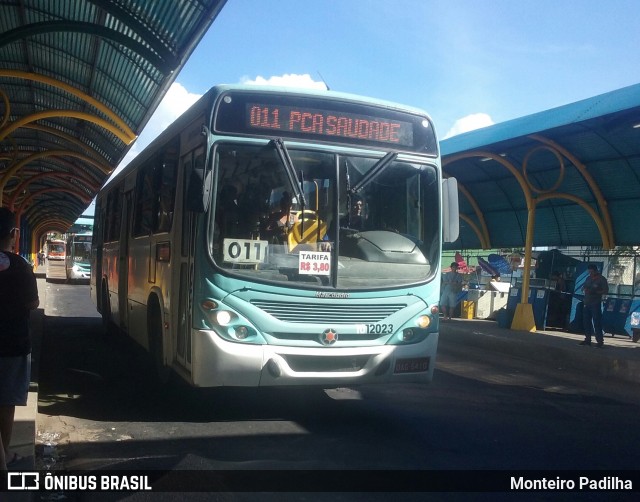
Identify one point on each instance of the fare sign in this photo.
(314, 263)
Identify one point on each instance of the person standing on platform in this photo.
(452, 285)
(595, 286)
(18, 296)
(557, 310)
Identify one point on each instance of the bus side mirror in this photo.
(450, 211)
(199, 190)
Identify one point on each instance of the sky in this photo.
(468, 63)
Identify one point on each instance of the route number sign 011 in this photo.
(245, 251)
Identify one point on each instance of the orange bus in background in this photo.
(56, 249)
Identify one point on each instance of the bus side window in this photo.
(144, 213)
(156, 188)
(114, 208)
(167, 180)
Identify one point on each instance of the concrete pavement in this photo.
(24, 428)
(618, 362)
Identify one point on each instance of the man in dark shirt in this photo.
(595, 286)
(18, 296)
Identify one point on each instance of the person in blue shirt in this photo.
(451, 287)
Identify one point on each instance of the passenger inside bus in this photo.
(357, 218)
(277, 226)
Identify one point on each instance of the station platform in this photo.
(617, 363)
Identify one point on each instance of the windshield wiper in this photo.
(282, 152)
(373, 173)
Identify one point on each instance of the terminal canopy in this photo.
(78, 82)
(575, 169)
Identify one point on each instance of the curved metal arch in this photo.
(525, 167)
(526, 190)
(513, 170)
(25, 203)
(162, 59)
(523, 317)
(48, 207)
(64, 136)
(582, 169)
(75, 92)
(476, 230)
(483, 233)
(58, 164)
(55, 165)
(65, 210)
(600, 223)
(28, 200)
(16, 124)
(7, 108)
(13, 151)
(50, 225)
(65, 153)
(38, 234)
(36, 138)
(50, 174)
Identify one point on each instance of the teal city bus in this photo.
(274, 236)
(78, 257)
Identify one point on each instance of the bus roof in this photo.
(208, 99)
(321, 93)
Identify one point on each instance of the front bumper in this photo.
(218, 362)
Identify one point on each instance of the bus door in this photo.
(123, 256)
(187, 244)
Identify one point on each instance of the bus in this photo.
(78, 257)
(56, 249)
(279, 237)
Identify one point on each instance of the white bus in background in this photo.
(55, 249)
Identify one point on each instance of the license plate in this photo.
(412, 365)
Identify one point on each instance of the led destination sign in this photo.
(329, 123)
(320, 118)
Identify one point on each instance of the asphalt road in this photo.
(99, 409)
(55, 270)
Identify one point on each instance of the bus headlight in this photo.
(229, 324)
(407, 334)
(223, 317)
(423, 321)
(414, 331)
(241, 332)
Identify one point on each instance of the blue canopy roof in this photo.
(578, 164)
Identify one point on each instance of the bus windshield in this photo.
(324, 219)
(56, 247)
(81, 252)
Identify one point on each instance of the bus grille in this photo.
(323, 313)
(305, 364)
